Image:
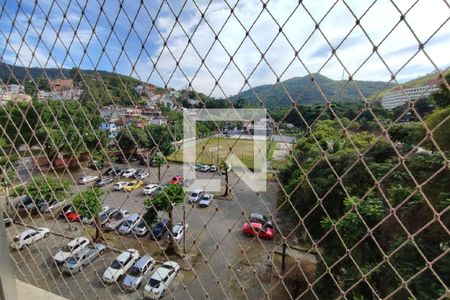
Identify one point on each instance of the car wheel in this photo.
(139, 285)
(102, 251)
(46, 234)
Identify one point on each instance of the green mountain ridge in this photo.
(312, 89)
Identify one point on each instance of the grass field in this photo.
(215, 150)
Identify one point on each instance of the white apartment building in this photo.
(402, 96)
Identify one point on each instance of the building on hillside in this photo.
(59, 85)
(402, 95)
(15, 88)
(6, 97)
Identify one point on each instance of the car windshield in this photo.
(140, 225)
(116, 265)
(134, 271)
(72, 260)
(27, 200)
(194, 195)
(154, 283)
(167, 267)
(66, 248)
(205, 198)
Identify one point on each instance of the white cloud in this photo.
(356, 49)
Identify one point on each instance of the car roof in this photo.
(28, 231)
(256, 215)
(160, 273)
(256, 225)
(123, 256)
(177, 227)
(143, 261)
(76, 241)
(133, 217)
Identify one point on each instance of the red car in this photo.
(73, 217)
(253, 229)
(177, 180)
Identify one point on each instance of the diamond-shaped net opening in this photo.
(339, 188)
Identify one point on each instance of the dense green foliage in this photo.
(88, 204)
(66, 127)
(46, 188)
(339, 213)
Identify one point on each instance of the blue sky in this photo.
(157, 39)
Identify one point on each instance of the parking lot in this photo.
(218, 256)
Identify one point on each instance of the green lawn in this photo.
(215, 150)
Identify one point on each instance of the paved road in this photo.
(218, 251)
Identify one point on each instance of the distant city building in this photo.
(6, 97)
(402, 96)
(15, 88)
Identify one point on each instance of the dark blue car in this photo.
(160, 228)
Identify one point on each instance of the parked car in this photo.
(103, 181)
(161, 280)
(205, 200)
(78, 261)
(129, 173)
(151, 188)
(26, 203)
(141, 228)
(72, 247)
(195, 196)
(116, 220)
(178, 231)
(135, 275)
(120, 266)
(212, 169)
(257, 229)
(85, 179)
(85, 220)
(118, 186)
(110, 170)
(7, 221)
(141, 176)
(28, 237)
(204, 168)
(196, 166)
(177, 180)
(133, 185)
(73, 216)
(52, 205)
(115, 172)
(104, 217)
(260, 218)
(65, 211)
(159, 229)
(129, 223)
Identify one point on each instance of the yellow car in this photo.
(133, 185)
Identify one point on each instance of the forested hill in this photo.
(304, 91)
(21, 73)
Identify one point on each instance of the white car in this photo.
(51, 205)
(129, 173)
(116, 219)
(213, 168)
(151, 188)
(85, 220)
(195, 196)
(178, 231)
(120, 185)
(120, 265)
(161, 280)
(204, 168)
(72, 247)
(205, 200)
(143, 175)
(131, 221)
(84, 179)
(28, 237)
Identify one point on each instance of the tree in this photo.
(131, 137)
(46, 188)
(440, 134)
(159, 161)
(88, 205)
(442, 97)
(224, 169)
(165, 201)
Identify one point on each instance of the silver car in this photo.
(133, 279)
(129, 223)
(75, 263)
(116, 219)
(141, 228)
